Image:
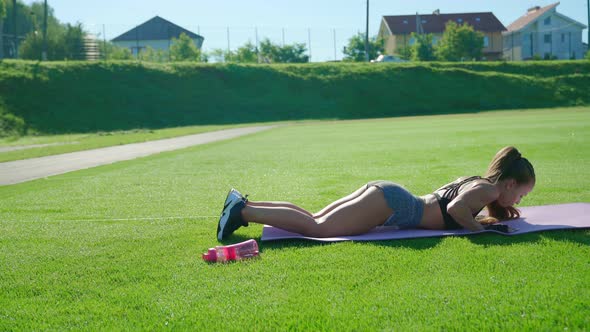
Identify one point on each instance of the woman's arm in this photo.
(462, 207)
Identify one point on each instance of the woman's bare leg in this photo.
(341, 201)
(356, 216)
(319, 214)
(280, 204)
(279, 216)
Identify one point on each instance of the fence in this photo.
(322, 43)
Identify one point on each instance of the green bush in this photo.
(11, 125)
(62, 97)
(548, 56)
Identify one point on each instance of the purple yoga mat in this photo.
(533, 219)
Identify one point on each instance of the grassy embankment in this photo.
(82, 97)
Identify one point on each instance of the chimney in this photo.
(533, 9)
(436, 12)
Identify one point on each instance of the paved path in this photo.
(29, 169)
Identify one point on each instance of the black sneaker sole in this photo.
(232, 219)
(225, 214)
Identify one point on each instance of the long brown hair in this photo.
(508, 163)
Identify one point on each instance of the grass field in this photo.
(118, 246)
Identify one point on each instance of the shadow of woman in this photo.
(580, 236)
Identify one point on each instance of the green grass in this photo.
(79, 142)
(118, 247)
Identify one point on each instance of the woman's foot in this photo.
(231, 216)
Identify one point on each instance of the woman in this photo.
(508, 179)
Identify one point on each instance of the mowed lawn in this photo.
(119, 246)
(46, 145)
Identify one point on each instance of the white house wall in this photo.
(512, 42)
(530, 41)
(155, 44)
(565, 39)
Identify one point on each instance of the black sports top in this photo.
(450, 193)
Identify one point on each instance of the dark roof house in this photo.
(156, 28)
(435, 23)
(156, 33)
(397, 30)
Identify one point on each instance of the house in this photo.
(545, 33)
(396, 30)
(156, 33)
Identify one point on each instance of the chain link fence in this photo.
(322, 43)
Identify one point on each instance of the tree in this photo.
(32, 47)
(422, 50)
(459, 42)
(588, 55)
(25, 23)
(355, 50)
(405, 52)
(2, 14)
(274, 53)
(219, 55)
(248, 53)
(183, 48)
(73, 42)
(63, 43)
(152, 55)
(110, 51)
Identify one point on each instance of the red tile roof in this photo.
(406, 24)
(531, 15)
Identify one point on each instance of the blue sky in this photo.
(326, 23)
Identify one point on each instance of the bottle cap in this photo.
(210, 256)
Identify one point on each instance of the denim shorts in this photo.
(407, 208)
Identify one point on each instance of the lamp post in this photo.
(44, 53)
(15, 35)
(367, 35)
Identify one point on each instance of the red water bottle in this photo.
(234, 252)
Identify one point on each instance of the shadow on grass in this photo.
(581, 237)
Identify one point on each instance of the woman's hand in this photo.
(469, 202)
(463, 215)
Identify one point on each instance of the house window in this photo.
(405, 21)
(459, 20)
(486, 41)
(547, 21)
(547, 38)
(477, 19)
(423, 21)
(563, 37)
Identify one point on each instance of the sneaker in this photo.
(231, 216)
